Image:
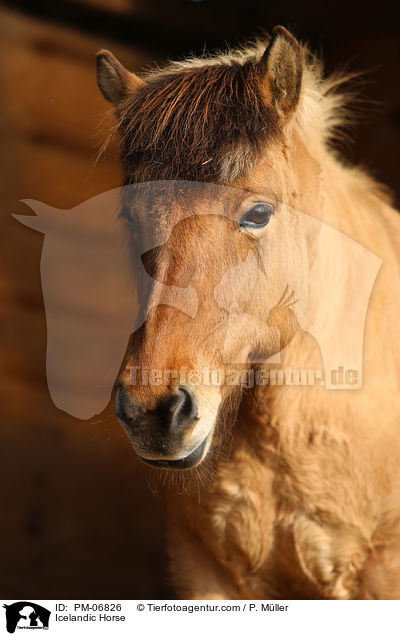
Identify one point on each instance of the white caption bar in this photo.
(165, 617)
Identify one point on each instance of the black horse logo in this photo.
(26, 614)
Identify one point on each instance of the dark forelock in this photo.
(205, 123)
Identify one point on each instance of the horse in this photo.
(270, 489)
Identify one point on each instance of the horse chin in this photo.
(189, 461)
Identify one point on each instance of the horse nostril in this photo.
(179, 411)
(188, 405)
(125, 408)
(175, 413)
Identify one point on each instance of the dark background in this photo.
(78, 519)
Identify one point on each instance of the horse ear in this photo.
(282, 69)
(114, 80)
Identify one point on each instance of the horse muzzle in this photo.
(173, 434)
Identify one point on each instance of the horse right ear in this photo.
(281, 67)
(114, 80)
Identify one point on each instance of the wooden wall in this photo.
(78, 518)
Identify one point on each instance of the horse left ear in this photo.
(114, 80)
(282, 69)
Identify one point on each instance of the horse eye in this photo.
(258, 216)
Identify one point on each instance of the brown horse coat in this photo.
(299, 495)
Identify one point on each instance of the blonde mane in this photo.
(324, 106)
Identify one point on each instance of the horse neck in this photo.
(348, 199)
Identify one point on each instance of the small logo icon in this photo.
(26, 615)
